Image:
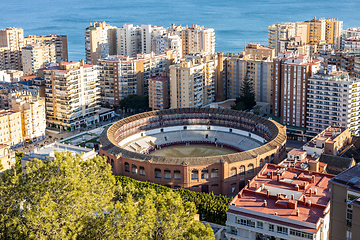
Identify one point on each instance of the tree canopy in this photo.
(68, 198)
(246, 101)
(135, 102)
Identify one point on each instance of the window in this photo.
(259, 225)
(112, 164)
(300, 234)
(247, 222)
(142, 171)
(242, 170)
(271, 227)
(215, 185)
(157, 173)
(167, 174)
(233, 172)
(282, 230)
(127, 167)
(250, 168)
(204, 174)
(134, 169)
(194, 174)
(214, 173)
(177, 175)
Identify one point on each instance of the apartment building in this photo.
(349, 33)
(10, 128)
(60, 42)
(159, 92)
(352, 45)
(132, 40)
(316, 30)
(161, 43)
(36, 56)
(257, 69)
(192, 83)
(72, 95)
(280, 31)
(290, 86)
(295, 44)
(100, 41)
(345, 205)
(343, 61)
(281, 203)
(122, 76)
(259, 52)
(7, 157)
(195, 39)
(333, 98)
(331, 140)
(11, 42)
(33, 118)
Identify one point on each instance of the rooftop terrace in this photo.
(294, 196)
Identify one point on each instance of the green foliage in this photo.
(211, 207)
(67, 198)
(135, 102)
(256, 110)
(246, 101)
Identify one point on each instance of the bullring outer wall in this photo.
(227, 174)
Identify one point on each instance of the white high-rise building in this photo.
(166, 41)
(349, 33)
(195, 39)
(132, 40)
(332, 99)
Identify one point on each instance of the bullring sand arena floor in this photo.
(196, 150)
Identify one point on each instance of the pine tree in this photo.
(246, 101)
(67, 198)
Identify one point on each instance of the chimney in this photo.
(248, 183)
(309, 203)
(313, 179)
(265, 203)
(262, 187)
(304, 200)
(267, 194)
(297, 187)
(310, 192)
(297, 212)
(256, 186)
(315, 191)
(275, 213)
(292, 196)
(278, 177)
(239, 195)
(271, 174)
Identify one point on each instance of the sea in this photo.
(236, 22)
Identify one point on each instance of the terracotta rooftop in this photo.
(296, 151)
(286, 191)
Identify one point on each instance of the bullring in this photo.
(126, 145)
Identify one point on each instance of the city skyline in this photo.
(243, 21)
